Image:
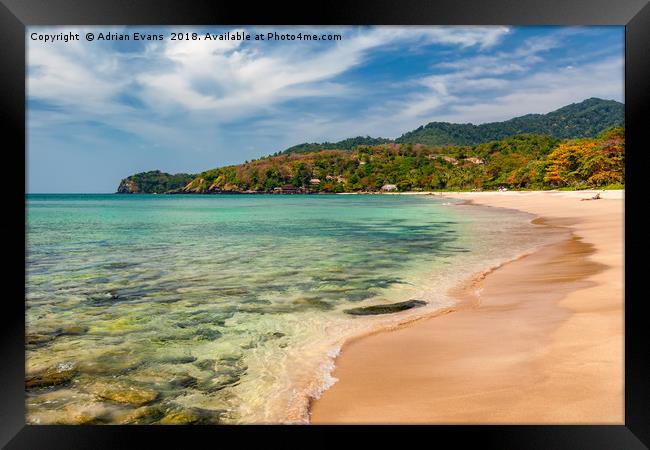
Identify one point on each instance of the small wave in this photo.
(327, 369)
(300, 411)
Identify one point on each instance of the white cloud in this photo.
(246, 79)
(212, 83)
(500, 86)
(239, 81)
(201, 96)
(546, 91)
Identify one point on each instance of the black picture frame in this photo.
(15, 15)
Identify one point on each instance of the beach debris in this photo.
(385, 309)
(595, 197)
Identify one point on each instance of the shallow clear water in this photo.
(229, 308)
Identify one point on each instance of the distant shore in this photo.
(543, 343)
(437, 193)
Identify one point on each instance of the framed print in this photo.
(363, 217)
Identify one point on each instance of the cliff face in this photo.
(154, 182)
(128, 186)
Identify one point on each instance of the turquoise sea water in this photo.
(229, 308)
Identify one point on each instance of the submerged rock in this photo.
(111, 362)
(194, 322)
(179, 418)
(41, 338)
(103, 299)
(38, 339)
(225, 379)
(228, 371)
(314, 303)
(55, 376)
(231, 358)
(385, 309)
(207, 334)
(74, 330)
(190, 320)
(142, 415)
(192, 416)
(119, 265)
(358, 295)
(205, 364)
(183, 381)
(87, 418)
(263, 339)
(178, 359)
(121, 392)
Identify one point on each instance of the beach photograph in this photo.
(328, 225)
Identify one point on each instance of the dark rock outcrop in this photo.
(385, 309)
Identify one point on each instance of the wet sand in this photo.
(542, 343)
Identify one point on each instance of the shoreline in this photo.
(531, 352)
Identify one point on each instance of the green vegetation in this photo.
(578, 146)
(346, 144)
(152, 182)
(578, 120)
(584, 119)
(526, 161)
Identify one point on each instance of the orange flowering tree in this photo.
(593, 162)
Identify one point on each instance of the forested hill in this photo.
(578, 120)
(345, 144)
(526, 161)
(153, 182)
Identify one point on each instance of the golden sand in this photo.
(544, 343)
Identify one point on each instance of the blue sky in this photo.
(100, 111)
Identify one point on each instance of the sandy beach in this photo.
(541, 343)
